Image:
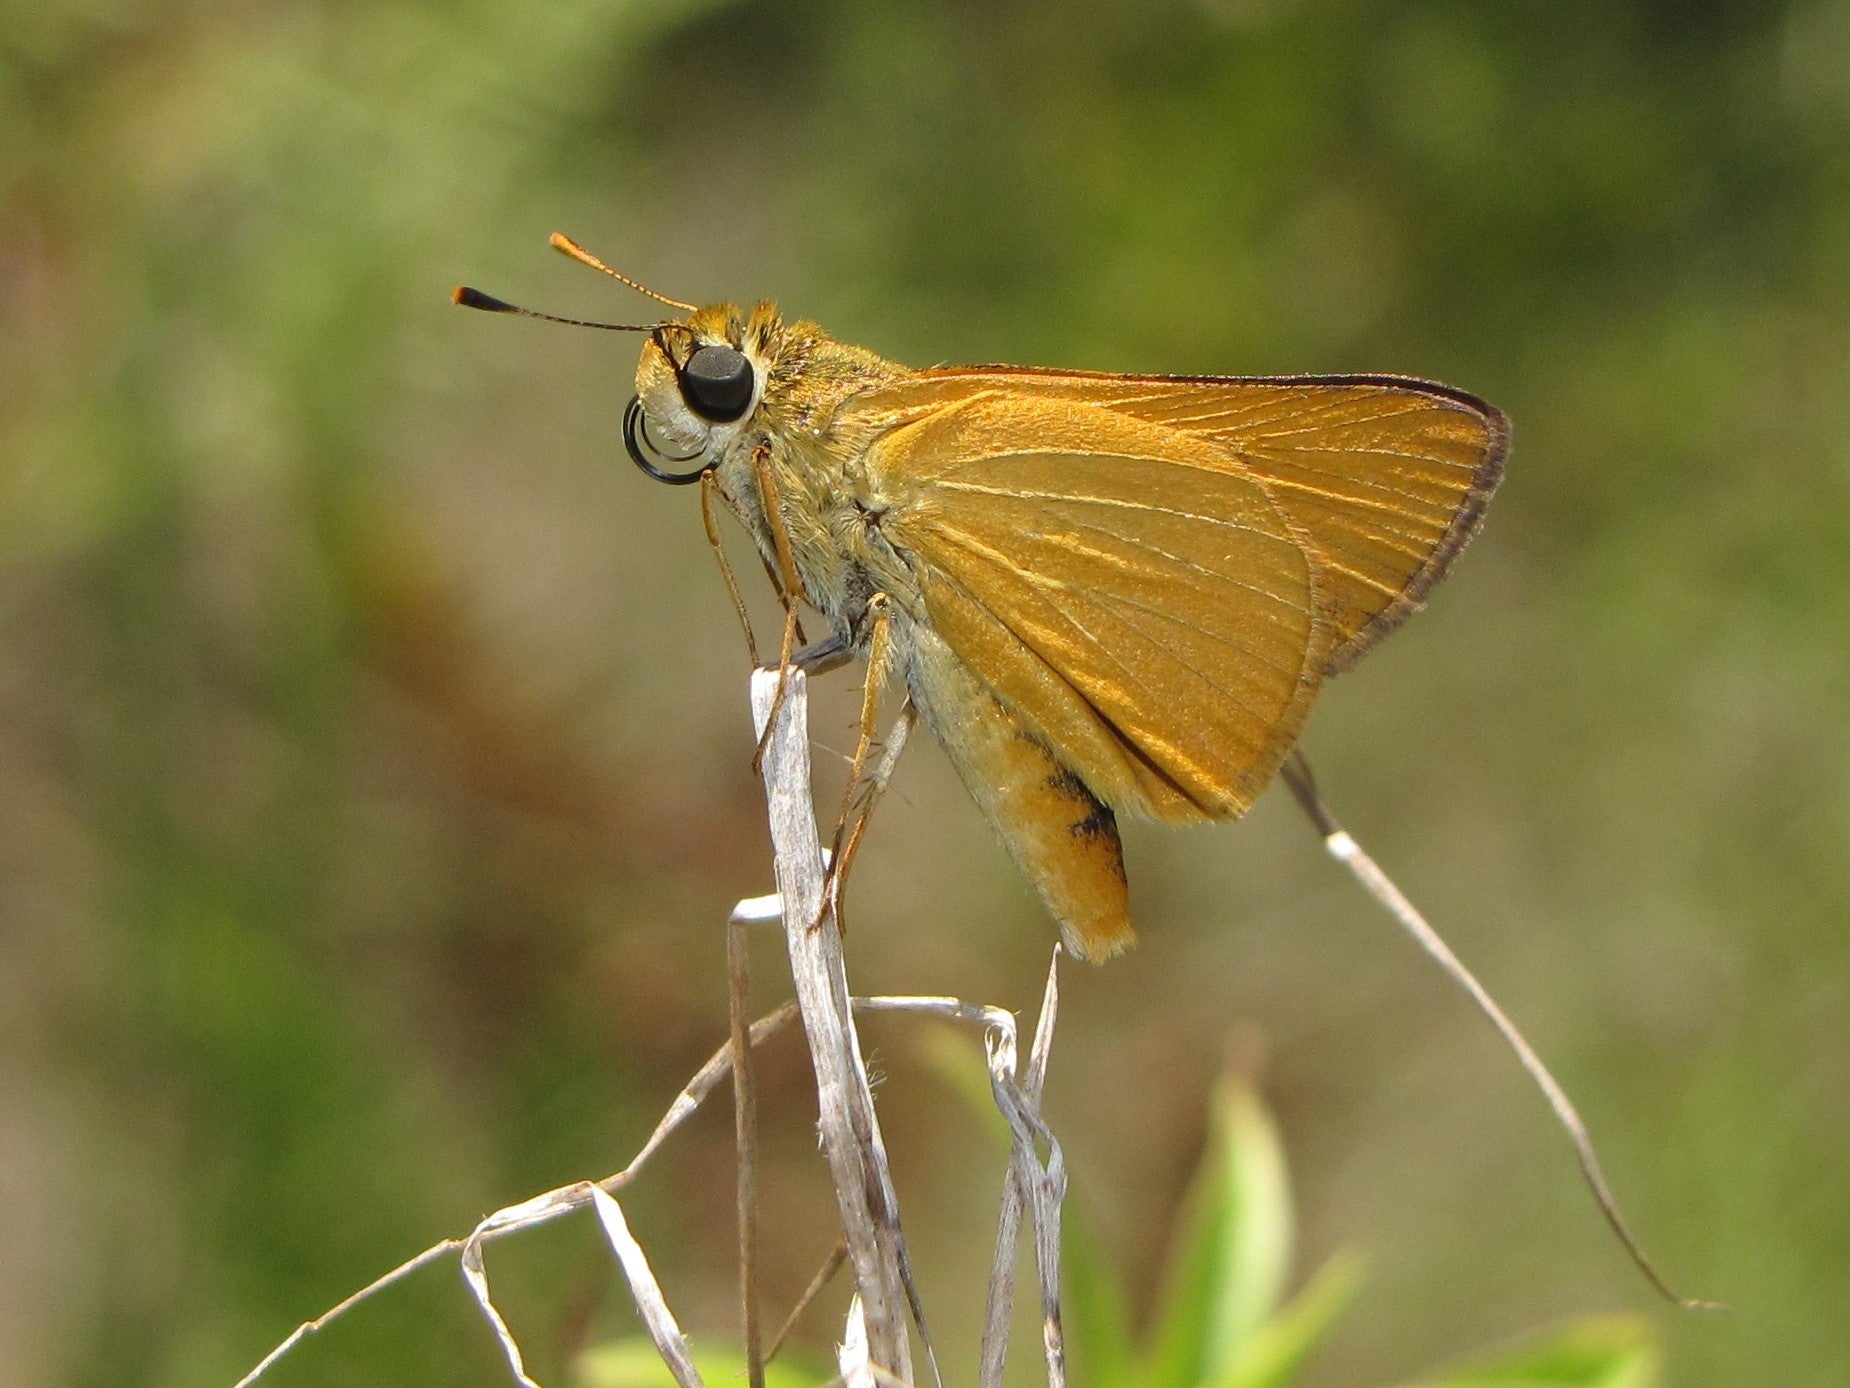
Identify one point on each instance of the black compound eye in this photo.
(717, 383)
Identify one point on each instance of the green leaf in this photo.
(1233, 1250)
(1280, 1347)
(633, 1363)
(1600, 1352)
(1094, 1313)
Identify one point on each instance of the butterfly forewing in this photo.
(1128, 588)
(1387, 475)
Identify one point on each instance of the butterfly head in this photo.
(699, 383)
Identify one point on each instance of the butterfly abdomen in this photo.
(1061, 835)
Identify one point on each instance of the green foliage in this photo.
(1221, 1319)
(1615, 1352)
(1233, 1248)
(634, 1363)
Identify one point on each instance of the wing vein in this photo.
(1051, 592)
(1185, 562)
(1113, 502)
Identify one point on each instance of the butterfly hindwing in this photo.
(1128, 589)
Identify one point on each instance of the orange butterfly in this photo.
(1102, 593)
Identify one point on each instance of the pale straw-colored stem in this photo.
(850, 1129)
(1343, 847)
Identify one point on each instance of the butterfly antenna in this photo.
(488, 303)
(1336, 840)
(566, 246)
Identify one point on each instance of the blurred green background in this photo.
(373, 747)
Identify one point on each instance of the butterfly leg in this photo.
(830, 653)
(893, 744)
(789, 586)
(863, 791)
(707, 487)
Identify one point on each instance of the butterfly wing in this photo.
(1128, 589)
(1388, 475)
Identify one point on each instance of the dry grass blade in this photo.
(334, 1313)
(542, 1208)
(1297, 775)
(539, 1210)
(1014, 1193)
(824, 1274)
(670, 1343)
(1045, 1186)
(745, 1142)
(857, 1370)
(857, 1154)
(850, 1130)
(1053, 1192)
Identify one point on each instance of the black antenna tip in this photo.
(475, 298)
